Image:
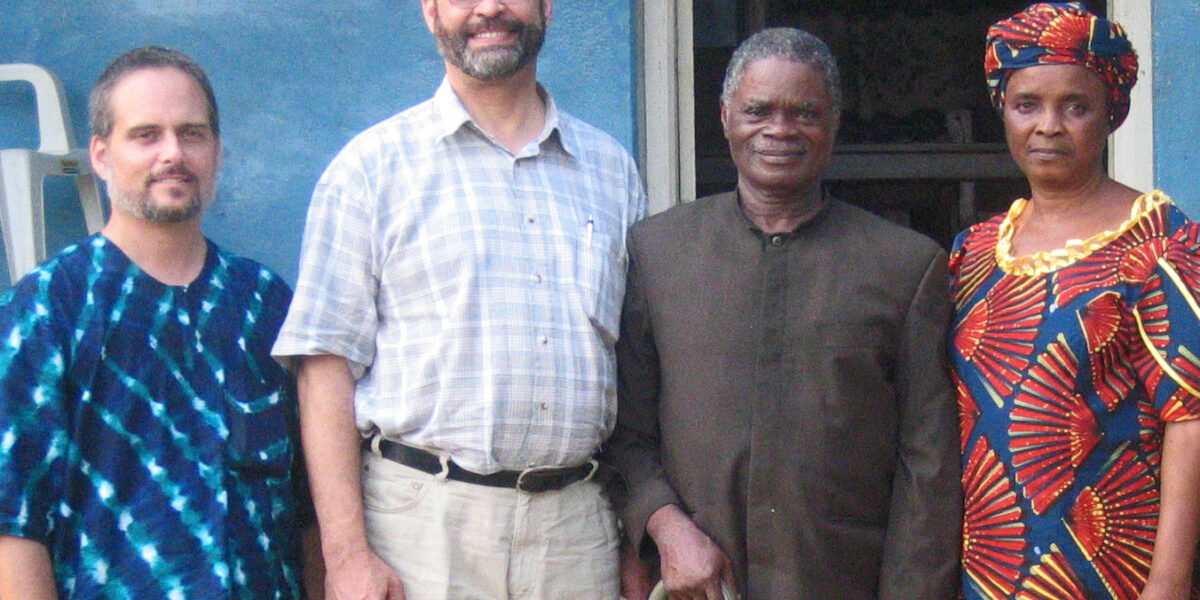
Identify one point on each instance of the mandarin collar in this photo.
(736, 213)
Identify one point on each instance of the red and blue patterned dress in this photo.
(1068, 365)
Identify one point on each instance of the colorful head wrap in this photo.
(1062, 33)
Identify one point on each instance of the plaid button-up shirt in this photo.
(476, 293)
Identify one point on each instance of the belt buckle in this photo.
(535, 480)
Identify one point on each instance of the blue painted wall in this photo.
(295, 80)
(1177, 102)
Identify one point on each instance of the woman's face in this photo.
(1056, 123)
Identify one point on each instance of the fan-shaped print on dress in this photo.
(1155, 328)
(1129, 259)
(1183, 254)
(1107, 327)
(1150, 433)
(1052, 429)
(973, 263)
(998, 332)
(1052, 579)
(1181, 405)
(1114, 523)
(993, 533)
(968, 411)
(1184, 403)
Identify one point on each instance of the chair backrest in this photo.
(54, 122)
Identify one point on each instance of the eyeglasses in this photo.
(474, 3)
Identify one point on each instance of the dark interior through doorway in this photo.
(919, 143)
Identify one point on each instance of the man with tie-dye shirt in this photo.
(147, 445)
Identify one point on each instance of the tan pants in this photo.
(450, 540)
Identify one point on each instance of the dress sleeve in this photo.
(34, 392)
(1168, 319)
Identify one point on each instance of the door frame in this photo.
(666, 105)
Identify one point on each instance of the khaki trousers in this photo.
(450, 540)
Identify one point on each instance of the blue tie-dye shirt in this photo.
(146, 435)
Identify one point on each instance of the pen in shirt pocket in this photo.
(591, 224)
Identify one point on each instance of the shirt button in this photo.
(543, 340)
(530, 219)
(544, 407)
(776, 240)
(537, 278)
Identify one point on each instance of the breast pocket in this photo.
(261, 419)
(600, 277)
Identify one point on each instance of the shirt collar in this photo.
(451, 116)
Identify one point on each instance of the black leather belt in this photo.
(535, 480)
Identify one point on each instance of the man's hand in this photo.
(693, 567)
(361, 576)
(332, 451)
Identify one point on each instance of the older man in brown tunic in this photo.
(786, 424)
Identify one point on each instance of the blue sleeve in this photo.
(33, 412)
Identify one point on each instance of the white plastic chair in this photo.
(22, 173)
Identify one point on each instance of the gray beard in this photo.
(494, 63)
(142, 205)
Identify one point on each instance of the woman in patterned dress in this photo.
(1077, 340)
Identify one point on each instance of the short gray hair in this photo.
(100, 114)
(787, 43)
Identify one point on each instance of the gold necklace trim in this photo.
(1048, 261)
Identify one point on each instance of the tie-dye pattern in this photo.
(146, 436)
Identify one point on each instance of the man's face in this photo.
(161, 158)
(780, 125)
(492, 40)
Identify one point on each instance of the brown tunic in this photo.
(790, 392)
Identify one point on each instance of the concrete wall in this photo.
(1177, 102)
(295, 80)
